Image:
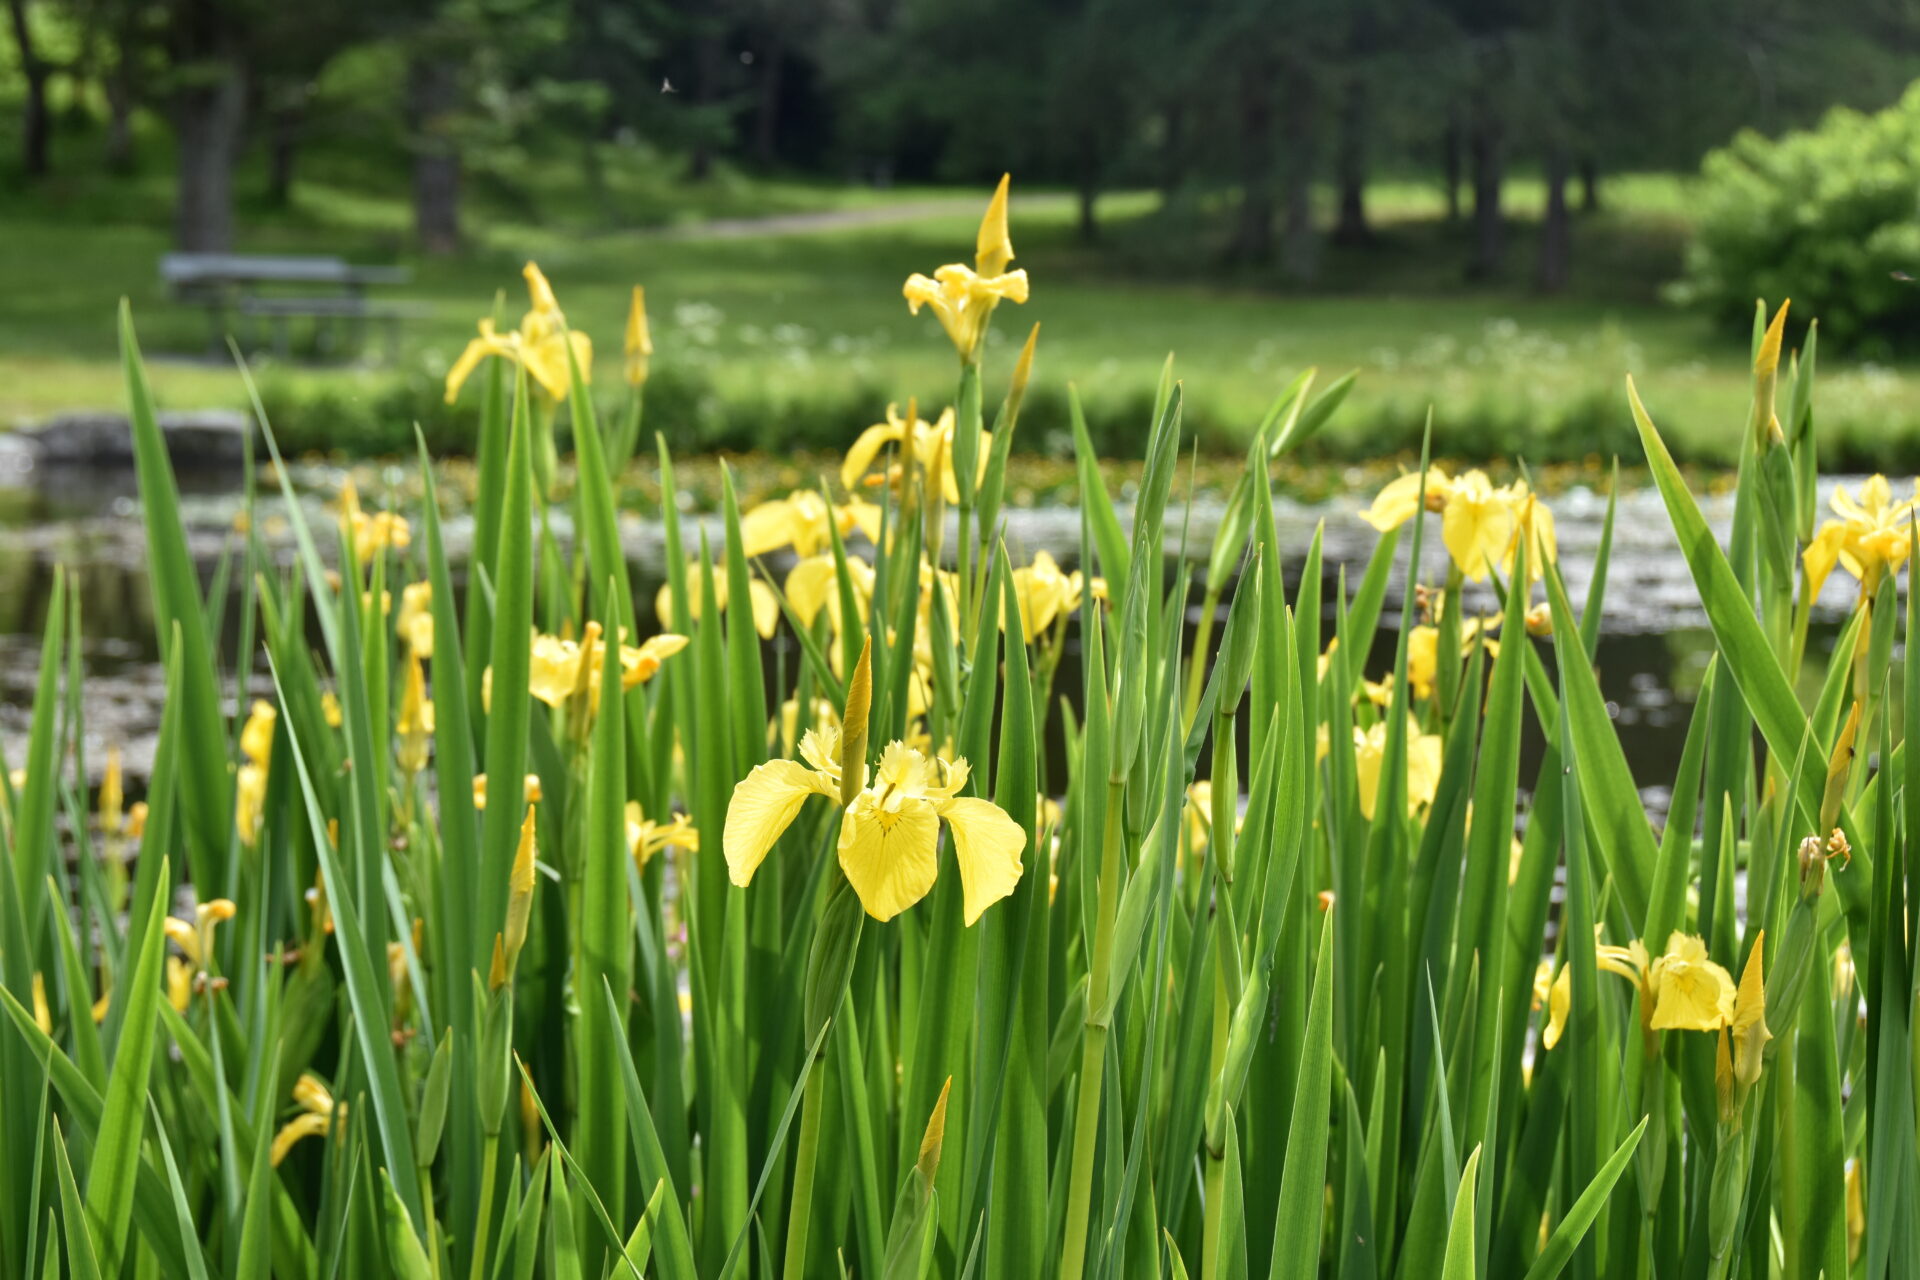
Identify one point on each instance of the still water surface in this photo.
(1652, 655)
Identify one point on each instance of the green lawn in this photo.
(770, 340)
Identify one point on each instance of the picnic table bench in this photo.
(246, 291)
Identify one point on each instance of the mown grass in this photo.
(782, 339)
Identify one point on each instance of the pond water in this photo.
(1652, 655)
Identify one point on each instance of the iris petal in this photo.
(764, 805)
(890, 858)
(986, 845)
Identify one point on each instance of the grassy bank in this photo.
(784, 338)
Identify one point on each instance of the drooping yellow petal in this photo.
(890, 856)
(765, 606)
(769, 526)
(986, 847)
(764, 805)
(1559, 1001)
(554, 670)
(1399, 501)
(813, 585)
(866, 447)
(304, 1125)
(637, 666)
(487, 344)
(179, 983)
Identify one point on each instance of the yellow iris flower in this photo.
(1046, 594)
(1399, 501)
(761, 599)
(804, 521)
(539, 345)
(928, 444)
(415, 724)
(1478, 525)
(814, 584)
(1481, 525)
(1691, 992)
(317, 1113)
(1423, 765)
(372, 532)
(250, 784)
(645, 837)
(889, 834)
(195, 941)
(562, 669)
(415, 620)
(1682, 989)
(112, 819)
(962, 297)
(1869, 538)
(639, 346)
(1629, 962)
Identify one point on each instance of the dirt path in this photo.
(796, 224)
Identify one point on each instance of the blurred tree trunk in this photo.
(1350, 227)
(1173, 153)
(1485, 154)
(209, 113)
(283, 145)
(1299, 248)
(433, 95)
(1589, 184)
(1450, 167)
(706, 91)
(1556, 229)
(766, 115)
(119, 87)
(1088, 190)
(1253, 225)
(36, 126)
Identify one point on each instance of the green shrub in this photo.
(1828, 217)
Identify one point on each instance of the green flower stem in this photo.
(1093, 1054)
(800, 1208)
(483, 1223)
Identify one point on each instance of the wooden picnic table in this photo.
(243, 290)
